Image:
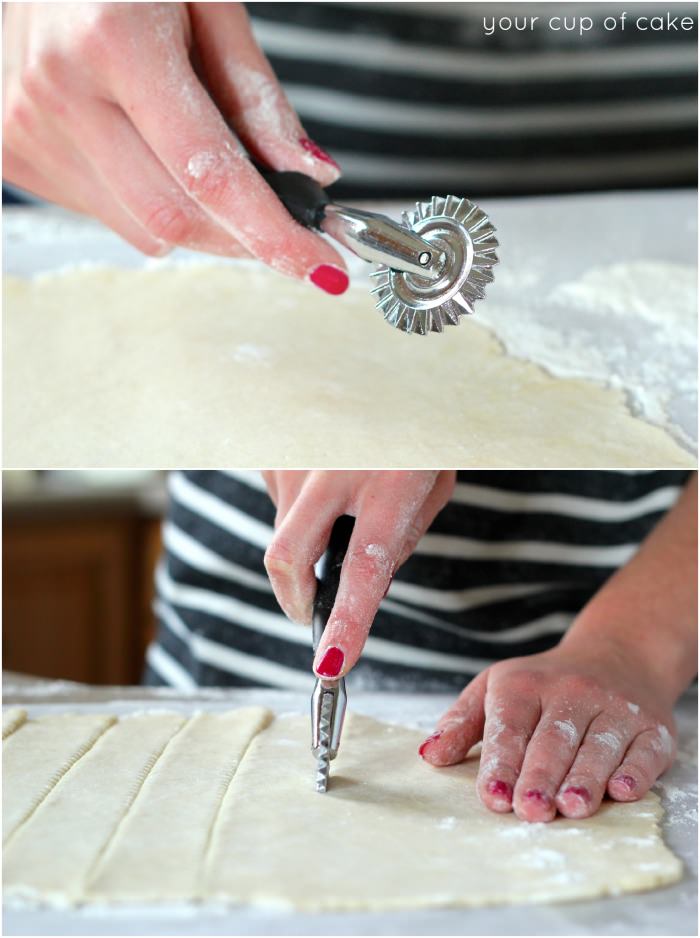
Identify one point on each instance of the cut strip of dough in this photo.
(391, 832)
(51, 855)
(36, 758)
(169, 825)
(12, 719)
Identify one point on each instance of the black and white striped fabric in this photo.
(414, 99)
(502, 571)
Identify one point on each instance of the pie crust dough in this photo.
(12, 719)
(162, 808)
(36, 759)
(236, 365)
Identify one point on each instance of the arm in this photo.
(594, 714)
(648, 609)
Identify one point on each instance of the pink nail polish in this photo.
(428, 741)
(500, 789)
(534, 794)
(578, 791)
(317, 152)
(331, 279)
(626, 781)
(332, 663)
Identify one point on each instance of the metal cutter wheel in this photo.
(465, 241)
(433, 266)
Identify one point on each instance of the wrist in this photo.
(652, 656)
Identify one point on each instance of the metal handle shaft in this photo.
(371, 236)
(380, 240)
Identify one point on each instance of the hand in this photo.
(138, 113)
(560, 729)
(393, 511)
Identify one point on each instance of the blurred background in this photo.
(79, 555)
(490, 98)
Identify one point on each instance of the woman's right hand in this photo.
(393, 510)
(105, 114)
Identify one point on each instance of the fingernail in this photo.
(317, 152)
(626, 781)
(331, 279)
(428, 741)
(500, 789)
(534, 794)
(332, 663)
(578, 792)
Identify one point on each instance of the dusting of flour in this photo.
(630, 326)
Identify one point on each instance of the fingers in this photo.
(75, 187)
(433, 505)
(648, 756)
(460, 728)
(601, 751)
(208, 162)
(249, 95)
(150, 196)
(511, 717)
(385, 518)
(288, 485)
(299, 541)
(549, 756)
(270, 479)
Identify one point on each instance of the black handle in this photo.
(330, 580)
(301, 195)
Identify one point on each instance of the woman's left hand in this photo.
(559, 730)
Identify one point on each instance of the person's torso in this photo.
(502, 571)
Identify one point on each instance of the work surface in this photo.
(666, 911)
(150, 370)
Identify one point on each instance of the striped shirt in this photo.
(502, 571)
(415, 99)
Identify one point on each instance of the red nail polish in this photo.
(317, 152)
(578, 791)
(428, 741)
(501, 789)
(331, 279)
(332, 663)
(533, 794)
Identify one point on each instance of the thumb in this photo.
(460, 728)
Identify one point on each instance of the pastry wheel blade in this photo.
(323, 761)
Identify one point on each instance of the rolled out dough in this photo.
(12, 719)
(236, 365)
(37, 759)
(160, 809)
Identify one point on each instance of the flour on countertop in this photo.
(630, 326)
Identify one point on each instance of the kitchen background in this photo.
(79, 554)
